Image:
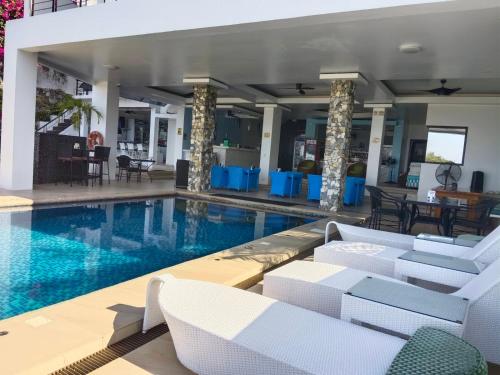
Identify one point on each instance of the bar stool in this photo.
(101, 156)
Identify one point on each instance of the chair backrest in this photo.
(482, 283)
(122, 146)
(130, 147)
(140, 147)
(487, 250)
(102, 152)
(375, 196)
(280, 183)
(232, 170)
(123, 161)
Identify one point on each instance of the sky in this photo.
(449, 146)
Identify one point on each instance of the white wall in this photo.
(482, 151)
(415, 128)
(49, 78)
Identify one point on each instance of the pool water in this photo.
(54, 254)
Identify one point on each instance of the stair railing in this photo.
(54, 122)
(51, 6)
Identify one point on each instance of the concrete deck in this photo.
(62, 193)
(48, 339)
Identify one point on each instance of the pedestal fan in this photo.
(448, 174)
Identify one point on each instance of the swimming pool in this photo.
(54, 254)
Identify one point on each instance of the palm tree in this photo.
(81, 110)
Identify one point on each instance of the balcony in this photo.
(50, 6)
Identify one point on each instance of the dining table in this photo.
(139, 162)
(443, 209)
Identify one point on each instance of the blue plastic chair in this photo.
(237, 179)
(314, 182)
(253, 179)
(218, 179)
(354, 191)
(296, 183)
(280, 184)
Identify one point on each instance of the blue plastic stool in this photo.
(253, 179)
(314, 182)
(280, 184)
(218, 179)
(237, 179)
(296, 183)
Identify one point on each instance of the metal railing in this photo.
(54, 122)
(50, 6)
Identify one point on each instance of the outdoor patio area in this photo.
(257, 188)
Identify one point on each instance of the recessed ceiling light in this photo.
(111, 67)
(410, 48)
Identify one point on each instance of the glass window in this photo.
(446, 145)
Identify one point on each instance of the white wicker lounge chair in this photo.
(472, 312)
(382, 259)
(354, 233)
(222, 330)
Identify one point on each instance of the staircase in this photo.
(60, 127)
(58, 124)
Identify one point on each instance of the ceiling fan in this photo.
(443, 91)
(300, 88)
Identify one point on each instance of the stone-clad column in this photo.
(202, 137)
(338, 134)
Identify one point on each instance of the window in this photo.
(446, 144)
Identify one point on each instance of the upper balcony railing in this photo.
(50, 6)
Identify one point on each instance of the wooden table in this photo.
(471, 198)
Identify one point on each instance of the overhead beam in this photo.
(455, 99)
(272, 105)
(258, 94)
(355, 76)
(303, 100)
(238, 108)
(151, 94)
(205, 81)
(377, 104)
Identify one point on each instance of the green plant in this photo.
(81, 109)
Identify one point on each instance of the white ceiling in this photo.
(460, 46)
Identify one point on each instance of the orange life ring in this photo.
(94, 139)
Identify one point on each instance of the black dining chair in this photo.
(126, 165)
(387, 209)
(473, 218)
(426, 215)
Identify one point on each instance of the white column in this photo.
(269, 148)
(106, 98)
(18, 119)
(27, 8)
(154, 130)
(375, 149)
(131, 130)
(175, 137)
